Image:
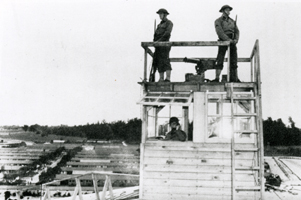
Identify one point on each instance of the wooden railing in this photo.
(253, 59)
(95, 177)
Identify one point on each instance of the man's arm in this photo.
(220, 32)
(168, 136)
(167, 33)
(181, 135)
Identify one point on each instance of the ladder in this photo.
(257, 168)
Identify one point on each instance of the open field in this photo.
(33, 137)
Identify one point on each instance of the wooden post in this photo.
(75, 192)
(141, 170)
(228, 77)
(104, 190)
(186, 120)
(79, 188)
(199, 117)
(260, 134)
(232, 146)
(95, 186)
(145, 65)
(252, 78)
(144, 124)
(47, 194)
(155, 120)
(110, 188)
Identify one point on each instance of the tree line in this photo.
(275, 132)
(129, 131)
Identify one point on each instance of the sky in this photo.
(76, 62)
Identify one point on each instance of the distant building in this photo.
(58, 141)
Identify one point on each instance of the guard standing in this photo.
(161, 56)
(226, 30)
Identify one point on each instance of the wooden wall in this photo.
(187, 170)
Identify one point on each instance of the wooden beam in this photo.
(110, 188)
(145, 66)
(149, 51)
(95, 186)
(254, 50)
(199, 113)
(185, 43)
(186, 120)
(144, 124)
(225, 60)
(104, 190)
(228, 65)
(75, 193)
(142, 149)
(80, 194)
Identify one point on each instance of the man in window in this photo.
(175, 134)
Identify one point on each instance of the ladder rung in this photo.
(245, 114)
(247, 150)
(246, 131)
(244, 98)
(247, 168)
(249, 188)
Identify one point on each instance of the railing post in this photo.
(104, 190)
(145, 65)
(95, 186)
(110, 188)
(228, 76)
(252, 70)
(75, 192)
(47, 194)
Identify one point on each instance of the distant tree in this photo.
(25, 128)
(291, 122)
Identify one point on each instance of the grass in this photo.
(31, 136)
(282, 151)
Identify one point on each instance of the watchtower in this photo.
(223, 157)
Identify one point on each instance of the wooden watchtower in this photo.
(223, 157)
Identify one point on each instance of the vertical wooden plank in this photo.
(95, 186)
(110, 188)
(144, 124)
(155, 111)
(48, 193)
(75, 193)
(145, 65)
(252, 70)
(228, 64)
(199, 115)
(142, 150)
(232, 145)
(104, 190)
(80, 194)
(261, 164)
(185, 120)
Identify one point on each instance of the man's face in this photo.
(173, 125)
(161, 15)
(227, 11)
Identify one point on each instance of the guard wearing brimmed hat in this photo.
(226, 30)
(175, 134)
(161, 56)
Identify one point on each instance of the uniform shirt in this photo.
(163, 31)
(176, 135)
(225, 25)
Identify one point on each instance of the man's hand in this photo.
(234, 41)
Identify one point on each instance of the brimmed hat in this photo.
(174, 119)
(224, 7)
(162, 10)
